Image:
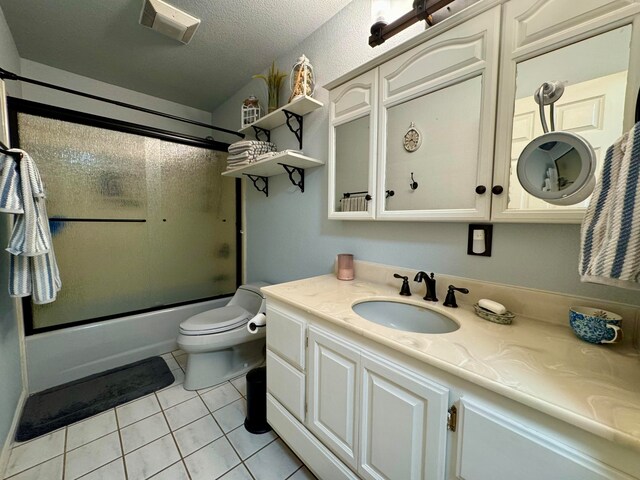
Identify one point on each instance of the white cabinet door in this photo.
(402, 423)
(333, 379)
(493, 446)
(286, 384)
(286, 336)
(352, 148)
(446, 89)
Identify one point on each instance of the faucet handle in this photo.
(404, 290)
(450, 301)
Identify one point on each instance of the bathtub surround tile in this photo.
(220, 396)
(238, 473)
(145, 431)
(241, 385)
(88, 430)
(50, 470)
(173, 396)
(177, 471)
(36, 451)
(91, 456)
(212, 461)
(152, 458)
(196, 435)
(273, 462)
(185, 413)
(137, 410)
(110, 471)
(232, 415)
(246, 444)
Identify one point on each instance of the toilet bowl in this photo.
(217, 341)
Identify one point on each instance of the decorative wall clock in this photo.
(412, 138)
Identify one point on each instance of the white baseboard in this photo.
(8, 443)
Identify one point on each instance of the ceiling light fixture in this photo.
(168, 20)
(422, 10)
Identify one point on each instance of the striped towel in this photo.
(354, 204)
(610, 235)
(33, 268)
(246, 145)
(10, 192)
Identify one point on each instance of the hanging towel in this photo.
(610, 235)
(10, 193)
(353, 204)
(33, 268)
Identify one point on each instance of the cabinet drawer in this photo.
(286, 384)
(492, 445)
(286, 337)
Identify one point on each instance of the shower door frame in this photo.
(18, 105)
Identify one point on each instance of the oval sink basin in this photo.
(402, 316)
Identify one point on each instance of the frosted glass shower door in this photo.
(137, 222)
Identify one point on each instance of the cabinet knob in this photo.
(497, 189)
(480, 189)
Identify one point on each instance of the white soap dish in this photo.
(503, 319)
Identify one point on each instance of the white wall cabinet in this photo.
(374, 414)
(463, 90)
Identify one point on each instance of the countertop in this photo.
(539, 364)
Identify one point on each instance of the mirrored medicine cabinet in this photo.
(430, 135)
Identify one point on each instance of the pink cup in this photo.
(345, 266)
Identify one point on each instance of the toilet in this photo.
(217, 341)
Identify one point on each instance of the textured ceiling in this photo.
(102, 39)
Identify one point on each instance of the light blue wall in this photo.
(290, 237)
(10, 368)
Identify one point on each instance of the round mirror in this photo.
(558, 167)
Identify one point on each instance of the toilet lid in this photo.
(215, 321)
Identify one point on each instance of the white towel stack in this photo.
(33, 269)
(246, 152)
(610, 249)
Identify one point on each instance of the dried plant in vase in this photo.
(273, 79)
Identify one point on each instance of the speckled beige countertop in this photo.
(540, 364)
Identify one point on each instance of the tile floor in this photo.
(173, 434)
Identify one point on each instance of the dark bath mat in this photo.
(63, 405)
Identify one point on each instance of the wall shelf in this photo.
(300, 106)
(286, 162)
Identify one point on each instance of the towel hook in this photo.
(413, 184)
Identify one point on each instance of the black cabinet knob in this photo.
(497, 189)
(480, 189)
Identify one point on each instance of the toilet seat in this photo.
(216, 321)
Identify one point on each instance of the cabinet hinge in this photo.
(306, 408)
(452, 418)
(306, 341)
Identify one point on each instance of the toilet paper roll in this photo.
(257, 322)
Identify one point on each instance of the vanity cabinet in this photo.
(376, 414)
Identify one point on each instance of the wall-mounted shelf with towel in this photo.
(295, 109)
(285, 162)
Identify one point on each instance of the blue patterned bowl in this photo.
(594, 325)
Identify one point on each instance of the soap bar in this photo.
(492, 306)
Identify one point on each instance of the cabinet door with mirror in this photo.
(352, 148)
(589, 47)
(437, 125)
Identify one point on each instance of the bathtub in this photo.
(61, 356)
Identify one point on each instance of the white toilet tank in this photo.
(249, 297)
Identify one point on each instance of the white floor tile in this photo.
(220, 396)
(212, 461)
(303, 474)
(171, 362)
(152, 458)
(88, 430)
(36, 451)
(246, 444)
(111, 471)
(145, 431)
(274, 462)
(51, 470)
(137, 410)
(173, 396)
(92, 455)
(241, 385)
(232, 415)
(178, 375)
(196, 435)
(185, 412)
(177, 471)
(238, 473)
(178, 352)
(182, 360)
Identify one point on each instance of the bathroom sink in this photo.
(403, 316)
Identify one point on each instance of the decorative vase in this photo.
(302, 79)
